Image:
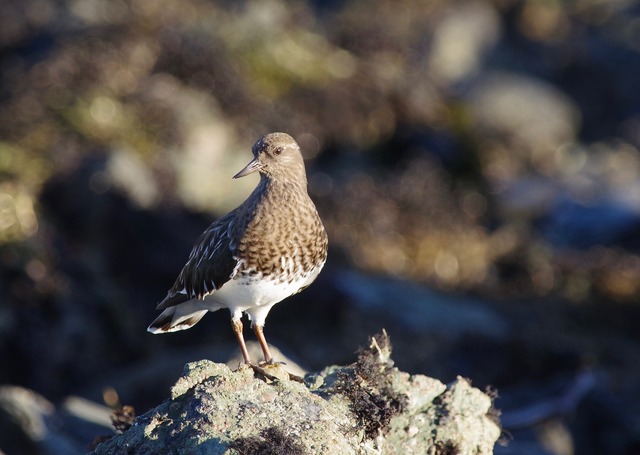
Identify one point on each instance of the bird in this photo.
(270, 247)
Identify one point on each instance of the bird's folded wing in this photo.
(211, 264)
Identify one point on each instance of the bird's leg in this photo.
(259, 331)
(268, 359)
(236, 323)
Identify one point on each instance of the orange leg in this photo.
(259, 331)
(237, 329)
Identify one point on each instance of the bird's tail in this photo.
(178, 317)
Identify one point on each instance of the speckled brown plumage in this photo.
(270, 247)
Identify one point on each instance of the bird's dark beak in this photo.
(253, 166)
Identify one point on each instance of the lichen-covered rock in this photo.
(367, 407)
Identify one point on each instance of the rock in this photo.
(366, 407)
(581, 226)
(524, 111)
(30, 424)
(419, 309)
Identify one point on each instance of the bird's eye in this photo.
(277, 151)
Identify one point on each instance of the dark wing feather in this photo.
(211, 263)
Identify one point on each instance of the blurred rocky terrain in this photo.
(476, 164)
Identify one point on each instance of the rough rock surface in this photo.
(367, 407)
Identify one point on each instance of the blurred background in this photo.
(475, 162)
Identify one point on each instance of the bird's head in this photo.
(276, 156)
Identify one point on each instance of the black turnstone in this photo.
(271, 247)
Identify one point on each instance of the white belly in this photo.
(254, 296)
(244, 295)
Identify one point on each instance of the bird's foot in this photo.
(280, 367)
(269, 371)
(273, 371)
